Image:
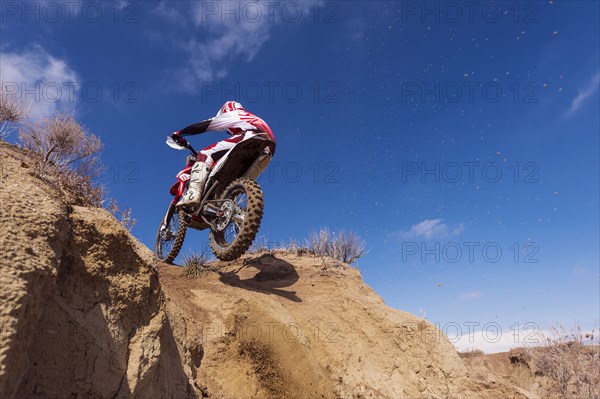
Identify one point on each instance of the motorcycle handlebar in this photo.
(189, 147)
(179, 143)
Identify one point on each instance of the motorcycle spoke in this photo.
(238, 227)
(240, 210)
(231, 232)
(240, 201)
(167, 237)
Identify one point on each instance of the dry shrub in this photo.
(571, 359)
(288, 247)
(291, 247)
(319, 243)
(11, 111)
(260, 244)
(64, 152)
(196, 265)
(346, 247)
(124, 216)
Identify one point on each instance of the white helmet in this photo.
(229, 106)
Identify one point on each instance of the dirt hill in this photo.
(86, 311)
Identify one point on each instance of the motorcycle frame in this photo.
(183, 177)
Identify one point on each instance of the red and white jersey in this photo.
(234, 122)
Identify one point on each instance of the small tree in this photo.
(62, 142)
(67, 153)
(11, 111)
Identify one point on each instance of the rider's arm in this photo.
(221, 122)
(196, 128)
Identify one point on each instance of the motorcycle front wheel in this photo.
(170, 235)
(242, 213)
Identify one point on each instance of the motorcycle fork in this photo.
(198, 211)
(169, 215)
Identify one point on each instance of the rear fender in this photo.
(238, 159)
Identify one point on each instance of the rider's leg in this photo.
(201, 170)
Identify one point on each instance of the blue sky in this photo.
(427, 128)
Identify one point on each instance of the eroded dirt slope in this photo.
(515, 368)
(86, 312)
(279, 325)
(81, 308)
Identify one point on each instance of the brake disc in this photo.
(227, 209)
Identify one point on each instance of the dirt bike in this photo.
(231, 206)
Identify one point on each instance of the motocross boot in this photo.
(200, 172)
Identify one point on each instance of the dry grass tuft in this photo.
(124, 216)
(196, 265)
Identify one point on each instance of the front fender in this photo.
(177, 188)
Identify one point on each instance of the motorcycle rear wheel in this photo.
(234, 240)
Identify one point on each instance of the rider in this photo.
(238, 122)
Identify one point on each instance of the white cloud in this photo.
(167, 12)
(38, 78)
(227, 42)
(590, 89)
(468, 296)
(491, 340)
(495, 339)
(430, 229)
(226, 32)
